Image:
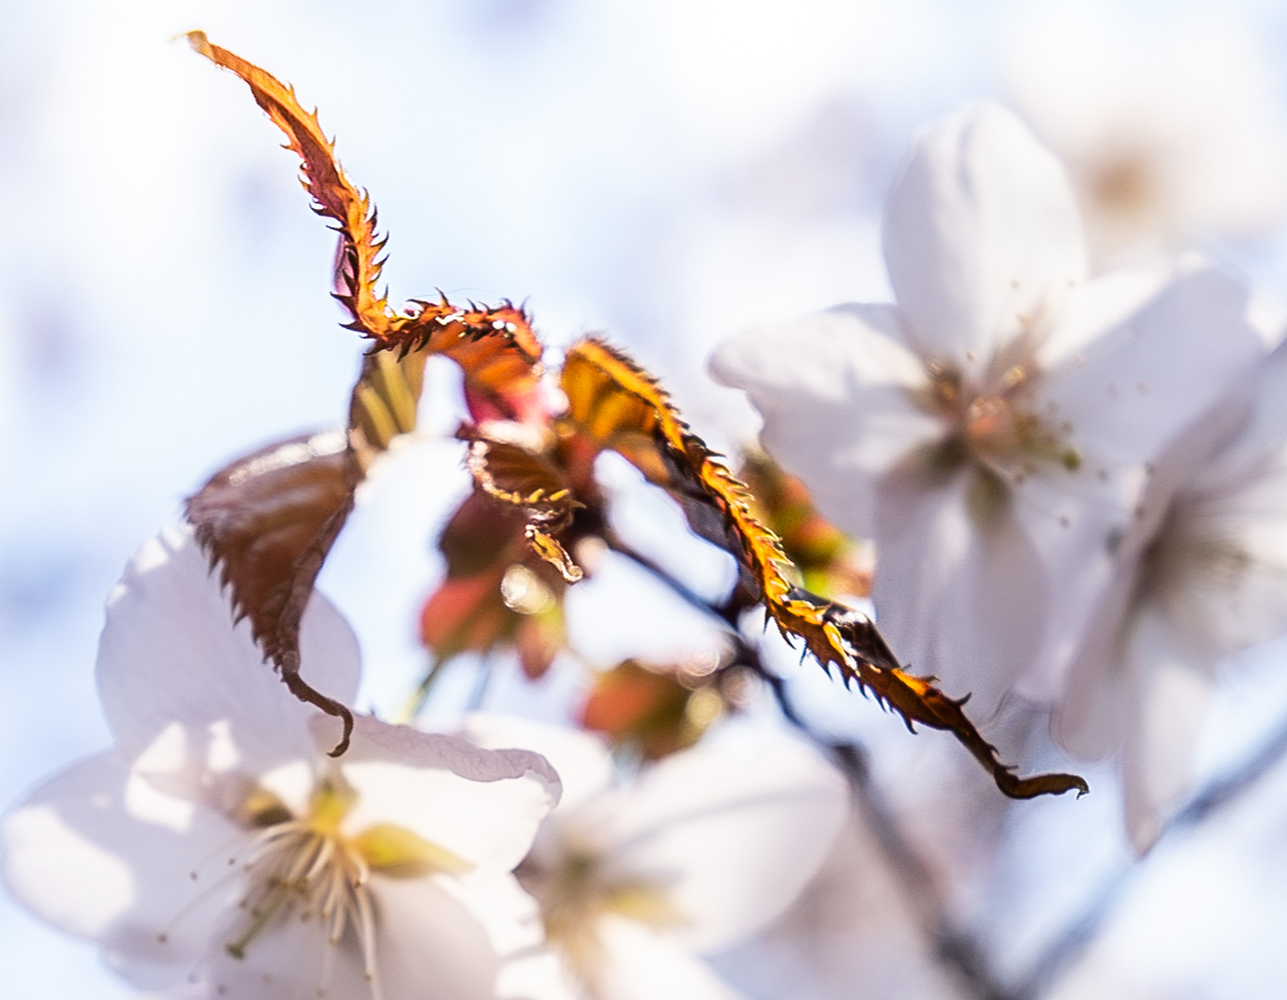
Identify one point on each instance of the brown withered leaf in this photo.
(268, 520)
(622, 407)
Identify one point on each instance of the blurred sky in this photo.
(667, 171)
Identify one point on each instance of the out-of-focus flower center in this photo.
(307, 868)
(1124, 185)
(576, 892)
(996, 428)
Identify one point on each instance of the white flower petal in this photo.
(959, 588)
(1231, 524)
(1141, 428)
(431, 947)
(103, 854)
(834, 391)
(1138, 387)
(581, 760)
(482, 805)
(646, 964)
(1170, 701)
(982, 237)
(1092, 715)
(733, 831)
(169, 654)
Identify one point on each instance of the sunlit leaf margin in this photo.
(496, 348)
(272, 561)
(625, 409)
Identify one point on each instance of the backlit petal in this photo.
(982, 237)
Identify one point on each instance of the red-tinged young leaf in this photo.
(496, 592)
(622, 407)
(333, 195)
(652, 711)
(528, 479)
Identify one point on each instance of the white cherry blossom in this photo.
(995, 431)
(218, 850)
(1203, 575)
(636, 880)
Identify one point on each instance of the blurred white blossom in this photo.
(1203, 574)
(697, 852)
(995, 431)
(218, 848)
(1167, 143)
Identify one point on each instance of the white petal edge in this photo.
(483, 805)
(170, 653)
(102, 854)
(834, 390)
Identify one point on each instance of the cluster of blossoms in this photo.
(1070, 481)
(217, 849)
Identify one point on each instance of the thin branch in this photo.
(1078, 936)
(957, 949)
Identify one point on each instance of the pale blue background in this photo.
(667, 171)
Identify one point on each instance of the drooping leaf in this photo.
(267, 522)
(618, 404)
(269, 519)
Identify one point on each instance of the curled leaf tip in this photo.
(1039, 784)
(199, 42)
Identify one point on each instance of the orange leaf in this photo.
(620, 405)
(495, 348)
(359, 264)
(528, 479)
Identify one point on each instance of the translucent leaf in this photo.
(269, 519)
